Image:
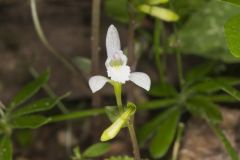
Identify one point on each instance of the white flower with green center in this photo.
(117, 68)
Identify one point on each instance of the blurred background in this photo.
(198, 36)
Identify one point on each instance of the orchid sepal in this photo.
(141, 79)
(97, 82)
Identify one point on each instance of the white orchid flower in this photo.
(117, 68)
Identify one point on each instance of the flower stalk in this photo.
(119, 73)
(180, 70)
(133, 138)
(177, 143)
(118, 94)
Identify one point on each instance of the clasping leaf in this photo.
(113, 130)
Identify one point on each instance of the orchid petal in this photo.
(141, 79)
(97, 82)
(112, 41)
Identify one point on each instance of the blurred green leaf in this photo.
(155, 2)
(222, 98)
(29, 121)
(149, 128)
(158, 12)
(187, 7)
(162, 89)
(213, 85)
(225, 142)
(232, 34)
(202, 107)
(156, 104)
(237, 2)
(200, 71)
(210, 85)
(204, 31)
(118, 10)
(38, 106)
(96, 150)
(112, 113)
(205, 86)
(165, 134)
(116, 126)
(230, 90)
(6, 149)
(84, 64)
(29, 90)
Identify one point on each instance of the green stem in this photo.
(61, 107)
(133, 138)
(231, 151)
(44, 40)
(180, 70)
(157, 49)
(178, 54)
(77, 114)
(178, 141)
(118, 94)
(2, 107)
(91, 112)
(49, 91)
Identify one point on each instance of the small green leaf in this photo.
(29, 121)
(230, 90)
(164, 135)
(213, 85)
(236, 2)
(112, 113)
(38, 106)
(219, 84)
(113, 130)
(156, 104)
(202, 107)
(84, 64)
(96, 150)
(149, 128)
(232, 34)
(29, 90)
(158, 12)
(6, 149)
(231, 151)
(155, 2)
